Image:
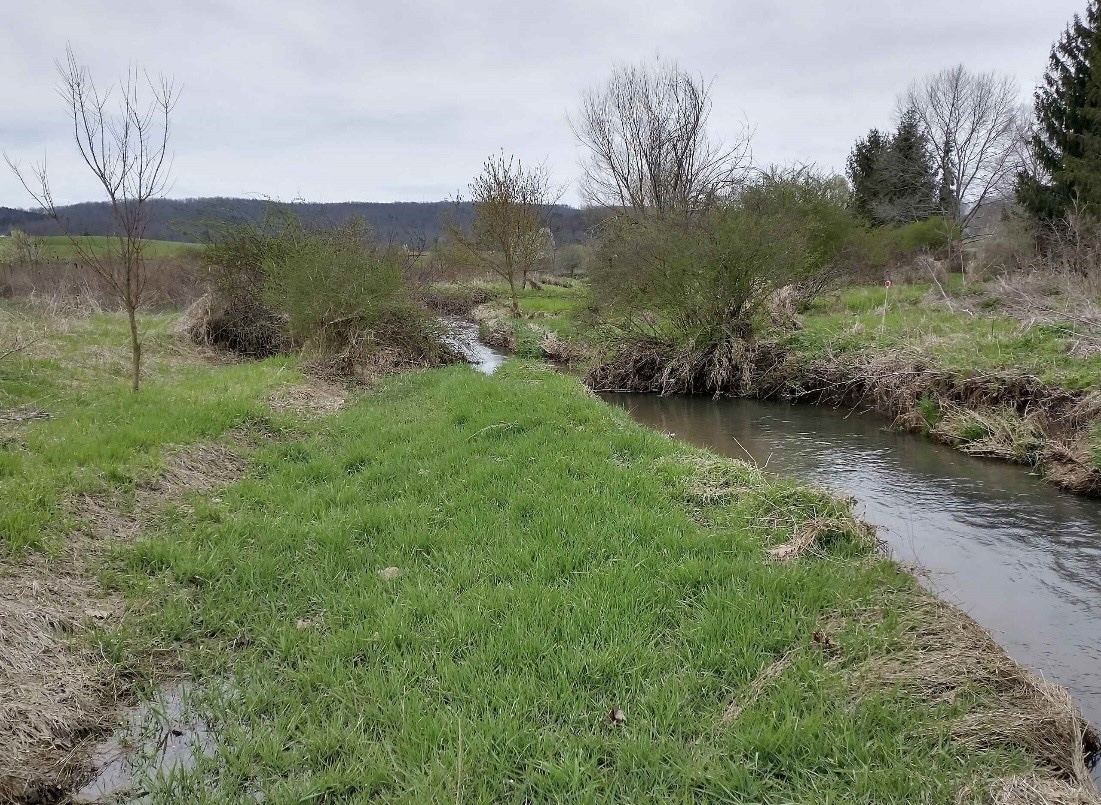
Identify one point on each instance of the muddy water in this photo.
(158, 738)
(1023, 559)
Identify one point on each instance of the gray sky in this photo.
(386, 101)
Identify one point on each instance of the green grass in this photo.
(101, 437)
(558, 561)
(853, 320)
(556, 564)
(60, 247)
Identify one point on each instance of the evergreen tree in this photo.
(862, 172)
(894, 178)
(1067, 142)
(909, 175)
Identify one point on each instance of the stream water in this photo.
(1023, 559)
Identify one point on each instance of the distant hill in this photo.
(187, 220)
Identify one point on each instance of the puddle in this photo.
(463, 336)
(158, 738)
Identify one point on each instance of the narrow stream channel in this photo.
(1023, 559)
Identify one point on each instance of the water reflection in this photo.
(1020, 557)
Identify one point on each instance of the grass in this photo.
(101, 437)
(854, 320)
(60, 247)
(558, 562)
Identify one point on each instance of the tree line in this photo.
(963, 141)
(410, 223)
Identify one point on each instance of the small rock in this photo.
(389, 573)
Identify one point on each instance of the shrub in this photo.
(704, 278)
(337, 293)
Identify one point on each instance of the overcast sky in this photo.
(403, 100)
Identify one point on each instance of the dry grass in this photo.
(946, 657)
(1029, 790)
(815, 536)
(992, 433)
(312, 399)
(170, 282)
(55, 692)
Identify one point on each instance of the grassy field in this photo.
(854, 320)
(578, 603)
(60, 247)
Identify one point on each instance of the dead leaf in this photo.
(98, 614)
(617, 716)
(389, 573)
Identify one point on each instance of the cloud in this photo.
(371, 101)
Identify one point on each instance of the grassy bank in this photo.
(964, 364)
(482, 589)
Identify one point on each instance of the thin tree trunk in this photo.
(515, 298)
(135, 347)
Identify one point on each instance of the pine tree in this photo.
(1067, 142)
(862, 173)
(894, 177)
(909, 175)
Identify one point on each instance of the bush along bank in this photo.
(1005, 414)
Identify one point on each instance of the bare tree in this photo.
(973, 125)
(124, 141)
(509, 232)
(649, 148)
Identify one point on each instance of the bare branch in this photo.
(649, 148)
(125, 145)
(972, 121)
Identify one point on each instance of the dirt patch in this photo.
(312, 399)
(24, 413)
(57, 694)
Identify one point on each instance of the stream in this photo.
(1020, 557)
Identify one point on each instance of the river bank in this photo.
(457, 585)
